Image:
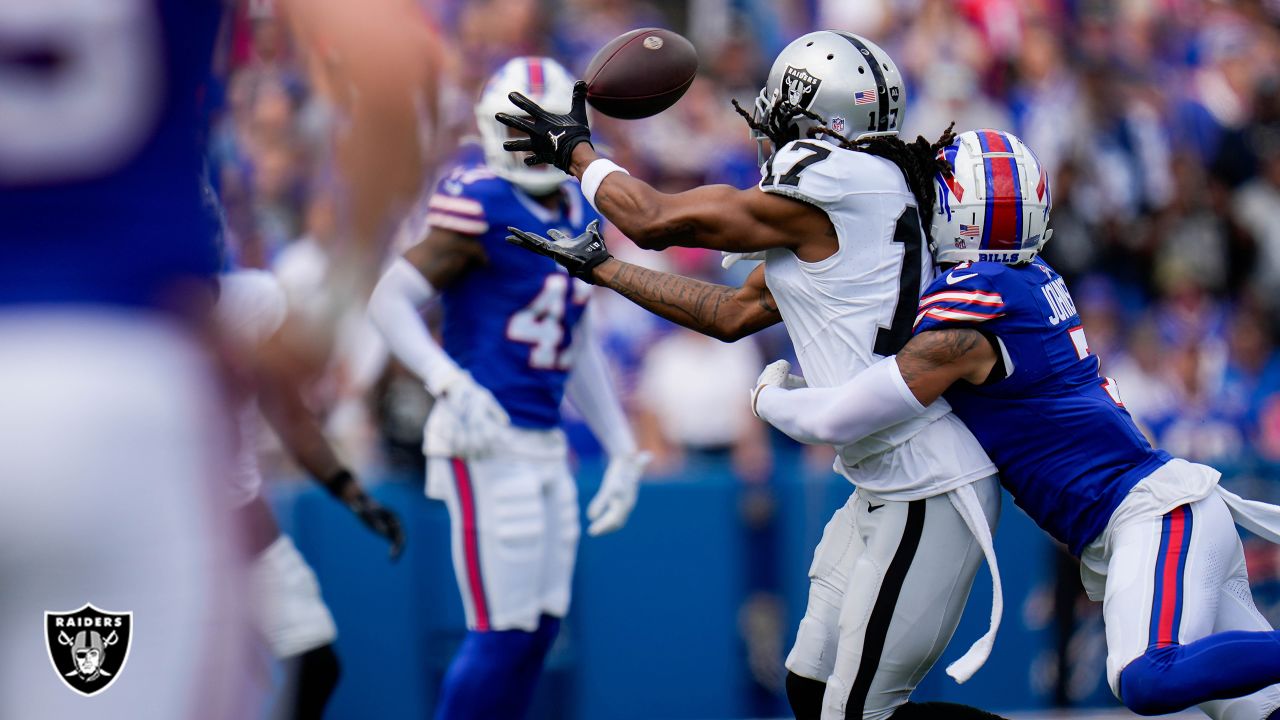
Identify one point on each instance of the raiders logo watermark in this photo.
(88, 647)
(800, 86)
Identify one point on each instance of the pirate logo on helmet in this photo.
(800, 86)
(88, 647)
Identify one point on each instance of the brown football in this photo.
(641, 73)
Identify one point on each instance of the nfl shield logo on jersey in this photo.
(88, 647)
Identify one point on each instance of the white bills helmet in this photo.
(548, 84)
(995, 206)
(834, 79)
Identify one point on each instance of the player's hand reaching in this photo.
(552, 137)
(373, 514)
(380, 519)
(478, 421)
(579, 255)
(776, 373)
(616, 497)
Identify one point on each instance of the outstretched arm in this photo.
(718, 217)
(720, 311)
(885, 394)
(723, 312)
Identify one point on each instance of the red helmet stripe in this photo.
(1002, 227)
(536, 82)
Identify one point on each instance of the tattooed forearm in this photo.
(722, 312)
(933, 360)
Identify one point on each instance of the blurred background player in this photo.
(288, 609)
(1000, 338)
(516, 338)
(113, 428)
(838, 222)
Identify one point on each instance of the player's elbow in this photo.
(828, 426)
(651, 236)
(730, 328)
(659, 228)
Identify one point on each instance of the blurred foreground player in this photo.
(516, 339)
(838, 222)
(288, 610)
(114, 435)
(998, 336)
(112, 431)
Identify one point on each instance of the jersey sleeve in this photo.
(803, 170)
(460, 202)
(963, 297)
(821, 174)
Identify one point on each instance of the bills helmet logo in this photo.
(800, 87)
(88, 647)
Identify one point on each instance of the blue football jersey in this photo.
(101, 149)
(1066, 447)
(510, 322)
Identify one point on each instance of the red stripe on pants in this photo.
(1169, 583)
(470, 541)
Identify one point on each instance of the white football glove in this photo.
(616, 497)
(777, 373)
(477, 420)
(729, 259)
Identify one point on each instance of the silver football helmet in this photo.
(830, 79)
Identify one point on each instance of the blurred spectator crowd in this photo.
(1159, 121)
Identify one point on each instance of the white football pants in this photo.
(112, 436)
(514, 535)
(1171, 575)
(888, 584)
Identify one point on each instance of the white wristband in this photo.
(595, 174)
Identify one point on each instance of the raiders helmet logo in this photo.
(894, 92)
(800, 87)
(88, 647)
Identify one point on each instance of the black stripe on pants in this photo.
(882, 611)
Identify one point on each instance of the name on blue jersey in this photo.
(1061, 306)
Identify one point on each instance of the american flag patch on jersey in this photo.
(970, 230)
(864, 97)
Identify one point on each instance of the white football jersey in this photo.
(857, 306)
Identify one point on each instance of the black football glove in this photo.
(375, 516)
(381, 520)
(578, 255)
(552, 137)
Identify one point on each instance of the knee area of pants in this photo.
(805, 696)
(1145, 686)
(321, 665)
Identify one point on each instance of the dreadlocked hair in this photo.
(777, 125)
(918, 160)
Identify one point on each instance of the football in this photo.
(641, 73)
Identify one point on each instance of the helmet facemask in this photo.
(777, 121)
